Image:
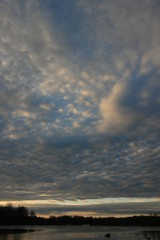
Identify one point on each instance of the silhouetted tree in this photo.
(32, 213)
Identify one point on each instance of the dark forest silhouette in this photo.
(10, 215)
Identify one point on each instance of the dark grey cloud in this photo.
(79, 100)
(123, 170)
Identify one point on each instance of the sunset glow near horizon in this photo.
(80, 106)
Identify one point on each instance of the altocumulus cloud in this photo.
(79, 101)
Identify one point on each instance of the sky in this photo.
(80, 106)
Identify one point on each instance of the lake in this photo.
(78, 233)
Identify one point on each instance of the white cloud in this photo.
(85, 75)
(76, 124)
(150, 59)
(22, 113)
(45, 107)
(115, 117)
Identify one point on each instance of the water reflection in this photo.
(15, 234)
(22, 236)
(153, 235)
(81, 233)
(11, 237)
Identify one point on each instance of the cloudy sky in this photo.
(80, 106)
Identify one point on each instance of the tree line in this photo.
(20, 211)
(20, 215)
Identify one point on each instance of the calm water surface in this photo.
(80, 233)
